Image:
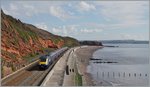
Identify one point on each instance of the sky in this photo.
(85, 20)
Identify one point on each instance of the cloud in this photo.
(42, 26)
(102, 15)
(32, 8)
(91, 30)
(56, 30)
(60, 31)
(124, 11)
(84, 6)
(20, 10)
(58, 12)
(65, 30)
(13, 9)
(74, 30)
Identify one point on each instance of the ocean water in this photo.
(126, 65)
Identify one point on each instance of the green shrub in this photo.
(78, 79)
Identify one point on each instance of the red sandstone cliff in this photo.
(20, 39)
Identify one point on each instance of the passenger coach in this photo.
(47, 60)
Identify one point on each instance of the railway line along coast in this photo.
(95, 43)
(69, 70)
(31, 75)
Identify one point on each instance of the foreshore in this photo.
(83, 56)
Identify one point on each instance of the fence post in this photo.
(103, 74)
(135, 74)
(97, 75)
(140, 74)
(119, 74)
(113, 74)
(124, 74)
(108, 74)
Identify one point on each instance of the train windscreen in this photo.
(43, 58)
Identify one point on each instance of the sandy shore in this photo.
(83, 56)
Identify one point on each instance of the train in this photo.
(46, 60)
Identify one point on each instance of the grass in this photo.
(78, 79)
(70, 42)
(21, 32)
(55, 40)
(24, 33)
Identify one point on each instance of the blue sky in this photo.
(85, 20)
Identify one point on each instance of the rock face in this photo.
(91, 43)
(20, 39)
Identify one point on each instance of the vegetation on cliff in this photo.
(21, 42)
(91, 43)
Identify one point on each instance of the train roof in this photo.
(52, 53)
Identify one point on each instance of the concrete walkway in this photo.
(69, 80)
(56, 75)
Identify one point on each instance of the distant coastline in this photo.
(101, 42)
(124, 42)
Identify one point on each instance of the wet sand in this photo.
(83, 56)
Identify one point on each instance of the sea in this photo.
(123, 65)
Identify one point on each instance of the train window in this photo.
(43, 58)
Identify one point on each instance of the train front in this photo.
(43, 63)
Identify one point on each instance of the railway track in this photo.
(31, 76)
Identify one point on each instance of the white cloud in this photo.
(42, 26)
(60, 31)
(73, 30)
(118, 15)
(56, 30)
(13, 9)
(123, 11)
(91, 30)
(58, 12)
(65, 30)
(20, 10)
(32, 8)
(84, 6)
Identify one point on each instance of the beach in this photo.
(83, 57)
